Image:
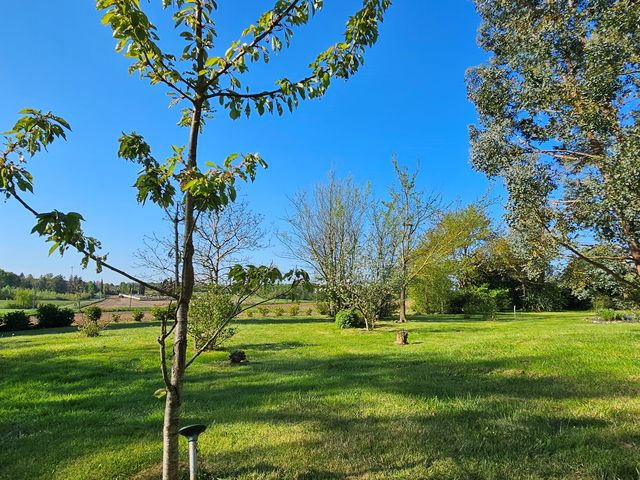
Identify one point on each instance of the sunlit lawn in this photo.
(542, 396)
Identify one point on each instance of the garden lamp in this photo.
(191, 432)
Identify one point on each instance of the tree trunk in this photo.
(170, 458)
(634, 248)
(403, 304)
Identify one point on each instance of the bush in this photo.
(294, 310)
(476, 301)
(264, 311)
(309, 312)
(250, 313)
(548, 298)
(90, 328)
(93, 314)
(14, 321)
(52, 316)
(115, 317)
(323, 308)
(208, 314)
(278, 311)
(610, 315)
(137, 315)
(349, 319)
(164, 314)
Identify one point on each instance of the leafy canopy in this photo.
(558, 106)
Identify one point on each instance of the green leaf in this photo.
(160, 393)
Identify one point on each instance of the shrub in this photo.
(602, 302)
(249, 313)
(93, 313)
(90, 328)
(477, 301)
(264, 311)
(14, 321)
(349, 319)
(294, 310)
(52, 316)
(610, 315)
(137, 315)
(323, 308)
(115, 317)
(309, 312)
(278, 311)
(208, 314)
(163, 314)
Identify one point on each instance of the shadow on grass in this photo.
(38, 331)
(281, 320)
(132, 325)
(273, 347)
(469, 418)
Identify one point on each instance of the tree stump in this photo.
(402, 337)
(237, 357)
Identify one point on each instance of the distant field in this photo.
(550, 396)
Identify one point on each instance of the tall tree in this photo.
(413, 210)
(559, 120)
(326, 232)
(196, 76)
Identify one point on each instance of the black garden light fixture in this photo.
(191, 433)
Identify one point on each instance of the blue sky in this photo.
(409, 99)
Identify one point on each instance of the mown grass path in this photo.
(543, 396)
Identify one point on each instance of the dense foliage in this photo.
(52, 316)
(208, 317)
(559, 109)
(349, 318)
(13, 321)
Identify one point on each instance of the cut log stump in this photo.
(402, 337)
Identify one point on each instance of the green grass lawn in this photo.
(544, 396)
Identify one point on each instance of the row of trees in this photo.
(368, 253)
(53, 283)
(361, 249)
(58, 286)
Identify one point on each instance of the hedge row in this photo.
(48, 315)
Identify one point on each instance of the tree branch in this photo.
(94, 257)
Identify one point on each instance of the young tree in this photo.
(327, 233)
(413, 210)
(558, 120)
(161, 255)
(372, 286)
(222, 237)
(443, 257)
(197, 77)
